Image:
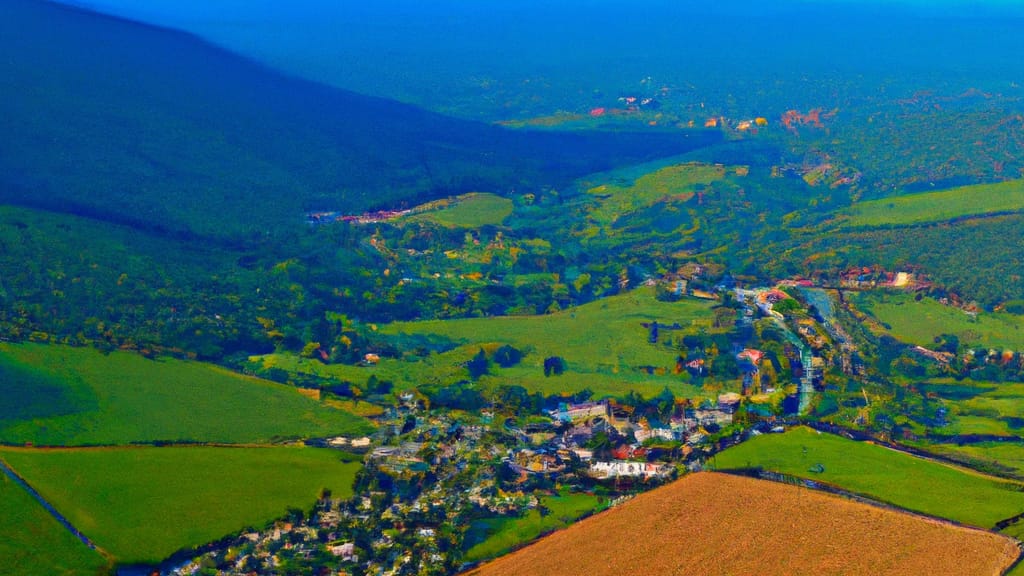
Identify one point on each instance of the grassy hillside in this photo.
(122, 397)
(887, 475)
(938, 206)
(716, 524)
(143, 504)
(603, 343)
(471, 210)
(602, 336)
(33, 543)
(919, 322)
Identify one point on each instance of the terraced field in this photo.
(711, 523)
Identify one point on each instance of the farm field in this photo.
(33, 543)
(603, 344)
(471, 210)
(603, 336)
(504, 534)
(883, 474)
(449, 366)
(710, 523)
(143, 504)
(920, 322)
(1008, 456)
(938, 206)
(122, 397)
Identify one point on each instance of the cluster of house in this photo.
(364, 218)
(627, 456)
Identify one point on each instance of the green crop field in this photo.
(471, 210)
(143, 504)
(938, 206)
(887, 475)
(123, 397)
(33, 543)
(505, 534)
(920, 322)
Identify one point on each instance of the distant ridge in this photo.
(155, 128)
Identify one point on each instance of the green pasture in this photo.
(504, 534)
(471, 210)
(1005, 455)
(603, 343)
(143, 504)
(605, 336)
(616, 199)
(919, 322)
(122, 397)
(938, 206)
(878, 472)
(33, 543)
(448, 367)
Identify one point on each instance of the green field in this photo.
(920, 322)
(602, 336)
(887, 475)
(603, 344)
(33, 543)
(938, 206)
(505, 534)
(471, 210)
(679, 180)
(122, 397)
(143, 504)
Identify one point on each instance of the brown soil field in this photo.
(710, 523)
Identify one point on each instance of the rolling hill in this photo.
(135, 124)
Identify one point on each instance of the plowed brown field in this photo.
(711, 523)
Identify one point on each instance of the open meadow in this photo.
(605, 336)
(33, 543)
(882, 474)
(920, 322)
(959, 202)
(709, 523)
(471, 210)
(122, 398)
(604, 345)
(143, 504)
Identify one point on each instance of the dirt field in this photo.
(712, 523)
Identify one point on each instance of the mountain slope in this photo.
(126, 122)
